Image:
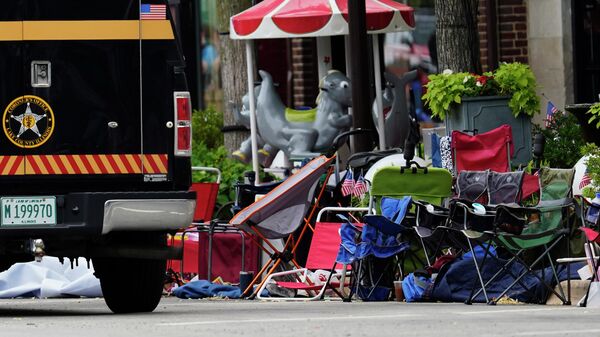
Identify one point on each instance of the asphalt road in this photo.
(174, 317)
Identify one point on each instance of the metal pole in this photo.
(347, 53)
(361, 97)
(378, 93)
(252, 99)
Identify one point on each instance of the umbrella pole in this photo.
(378, 92)
(347, 52)
(252, 99)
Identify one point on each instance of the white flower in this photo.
(447, 72)
(466, 79)
(479, 84)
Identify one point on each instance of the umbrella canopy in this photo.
(303, 18)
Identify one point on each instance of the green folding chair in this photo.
(550, 226)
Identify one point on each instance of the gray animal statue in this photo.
(266, 152)
(304, 133)
(395, 109)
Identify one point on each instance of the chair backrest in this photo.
(324, 246)
(432, 185)
(206, 198)
(504, 187)
(282, 210)
(555, 185)
(473, 185)
(490, 150)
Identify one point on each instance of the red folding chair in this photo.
(490, 150)
(321, 256)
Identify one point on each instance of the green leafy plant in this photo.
(563, 140)
(446, 90)
(231, 170)
(517, 80)
(595, 112)
(208, 150)
(593, 168)
(206, 127)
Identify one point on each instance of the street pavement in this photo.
(175, 317)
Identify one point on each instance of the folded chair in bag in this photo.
(323, 255)
(490, 150)
(281, 212)
(522, 229)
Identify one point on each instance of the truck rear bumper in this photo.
(147, 215)
(85, 215)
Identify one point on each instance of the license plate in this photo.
(28, 211)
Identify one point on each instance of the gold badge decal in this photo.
(28, 121)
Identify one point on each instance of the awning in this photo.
(304, 18)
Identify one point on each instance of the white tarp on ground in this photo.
(49, 278)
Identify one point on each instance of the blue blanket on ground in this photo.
(455, 281)
(204, 288)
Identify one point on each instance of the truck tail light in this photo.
(183, 124)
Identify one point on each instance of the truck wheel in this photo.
(129, 284)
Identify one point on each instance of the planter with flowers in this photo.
(483, 102)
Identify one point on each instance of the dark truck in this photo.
(96, 141)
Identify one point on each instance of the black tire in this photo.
(129, 284)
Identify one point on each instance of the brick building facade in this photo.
(510, 31)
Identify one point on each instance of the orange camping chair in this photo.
(281, 212)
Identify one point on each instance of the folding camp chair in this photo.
(432, 225)
(324, 255)
(281, 212)
(424, 185)
(490, 150)
(516, 232)
(471, 226)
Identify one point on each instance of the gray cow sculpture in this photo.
(299, 133)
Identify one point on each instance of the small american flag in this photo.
(153, 12)
(585, 180)
(550, 111)
(348, 184)
(360, 188)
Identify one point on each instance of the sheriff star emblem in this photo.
(28, 121)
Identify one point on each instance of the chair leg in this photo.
(503, 269)
(478, 271)
(560, 288)
(530, 271)
(470, 299)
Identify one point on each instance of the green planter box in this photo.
(487, 113)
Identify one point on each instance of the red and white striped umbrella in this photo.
(302, 18)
